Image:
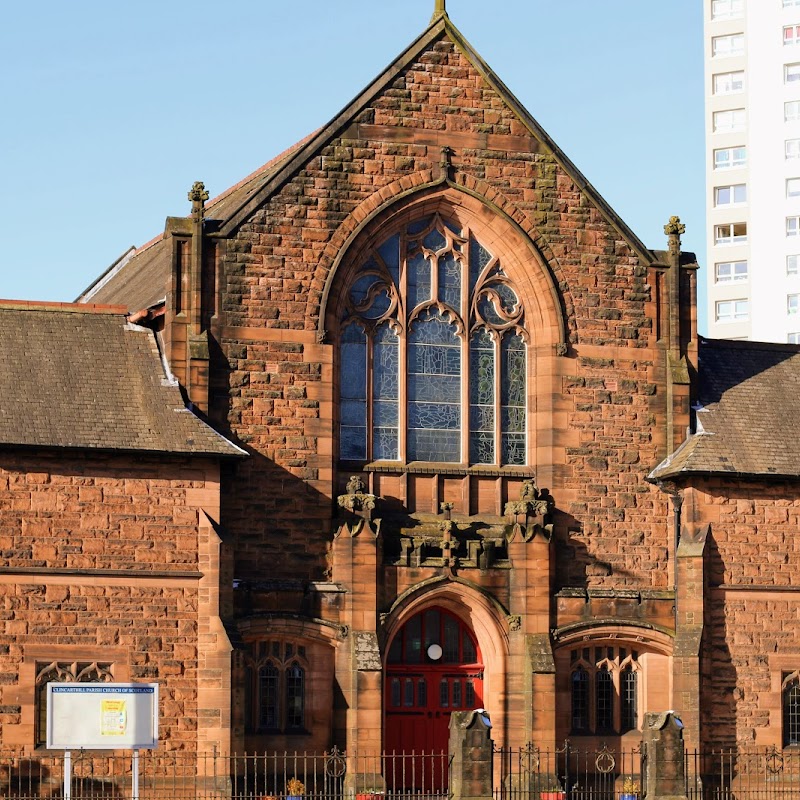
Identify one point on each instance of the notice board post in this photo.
(102, 716)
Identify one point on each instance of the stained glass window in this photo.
(433, 354)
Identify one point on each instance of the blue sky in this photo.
(112, 110)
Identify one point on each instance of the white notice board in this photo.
(102, 716)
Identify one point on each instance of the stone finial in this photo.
(356, 499)
(674, 228)
(198, 196)
(439, 10)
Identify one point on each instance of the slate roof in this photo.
(748, 407)
(82, 377)
(138, 279)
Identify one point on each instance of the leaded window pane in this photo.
(430, 381)
(419, 280)
(370, 300)
(422, 692)
(268, 697)
(444, 693)
(419, 225)
(512, 399)
(295, 697)
(469, 694)
(456, 693)
(434, 240)
(604, 700)
(451, 636)
(385, 394)
(628, 690)
(450, 281)
(791, 713)
(580, 699)
(390, 253)
(479, 257)
(434, 369)
(395, 692)
(469, 653)
(481, 398)
(408, 693)
(353, 408)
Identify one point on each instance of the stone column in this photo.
(665, 765)
(471, 751)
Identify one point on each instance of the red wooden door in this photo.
(434, 668)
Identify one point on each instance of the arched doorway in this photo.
(434, 667)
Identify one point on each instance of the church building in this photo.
(408, 421)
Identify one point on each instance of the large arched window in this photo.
(432, 353)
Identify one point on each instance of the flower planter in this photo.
(294, 797)
(552, 795)
(369, 796)
(628, 796)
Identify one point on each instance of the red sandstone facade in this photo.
(568, 590)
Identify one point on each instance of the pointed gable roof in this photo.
(440, 27)
(140, 280)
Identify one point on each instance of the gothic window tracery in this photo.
(64, 672)
(276, 687)
(604, 689)
(433, 353)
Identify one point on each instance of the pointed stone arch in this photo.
(494, 219)
(485, 616)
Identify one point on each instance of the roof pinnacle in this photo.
(439, 10)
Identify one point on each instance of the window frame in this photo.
(792, 305)
(721, 239)
(430, 275)
(734, 46)
(734, 275)
(792, 226)
(791, 73)
(790, 709)
(793, 264)
(735, 9)
(737, 119)
(271, 691)
(597, 704)
(731, 162)
(66, 671)
(732, 194)
(732, 86)
(739, 310)
(793, 37)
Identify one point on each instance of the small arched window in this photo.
(432, 353)
(604, 689)
(276, 687)
(791, 709)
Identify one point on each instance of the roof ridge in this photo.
(74, 308)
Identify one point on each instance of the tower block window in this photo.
(432, 353)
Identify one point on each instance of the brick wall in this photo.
(101, 559)
(752, 564)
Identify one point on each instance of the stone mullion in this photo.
(402, 356)
(498, 398)
(370, 381)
